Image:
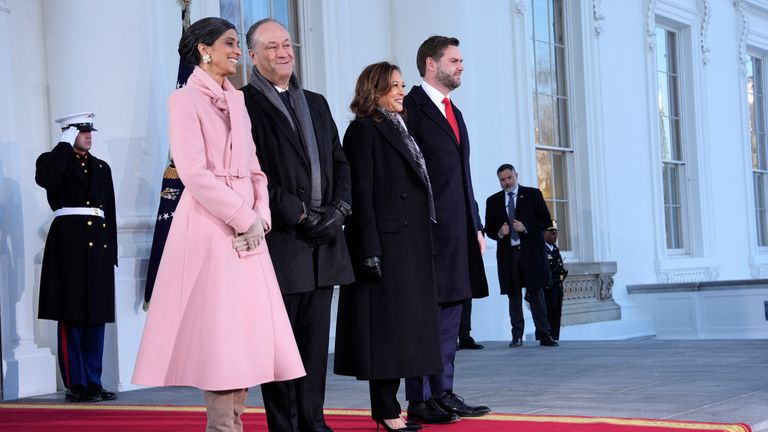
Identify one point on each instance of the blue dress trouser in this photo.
(81, 347)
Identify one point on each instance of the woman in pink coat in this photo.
(217, 319)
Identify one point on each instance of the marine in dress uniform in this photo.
(554, 293)
(77, 283)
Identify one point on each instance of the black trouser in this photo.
(384, 404)
(297, 405)
(466, 321)
(554, 300)
(535, 299)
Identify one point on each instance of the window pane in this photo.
(230, 11)
(544, 170)
(546, 121)
(558, 170)
(661, 49)
(672, 218)
(672, 51)
(665, 138)
(544, 78)
(663, 93)
(281, 13)
(562, 124)
(560, 85)
(562, 217)
(540, 16)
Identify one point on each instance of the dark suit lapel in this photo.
(392, 136)
(433, 112)
(284, 125)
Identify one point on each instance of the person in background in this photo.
(554, 293)
(516, 218)
(309, 195)
(391, 312)
(77, 283)
(216, 321)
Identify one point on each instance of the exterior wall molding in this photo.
(650, 25)
(744, 24)
(588, 293)
(704, 31)
(4, 6)
(598, 16)
(521, 8)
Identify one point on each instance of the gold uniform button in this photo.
(90, 244)
(103, 225)
(90, 223)
(105, 245)
(87, 203)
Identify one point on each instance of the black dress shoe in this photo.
(469, 344)
(80, 394)
(548, 342)
(101, 393)
(452, 403)
(429, 412)
(516, 342)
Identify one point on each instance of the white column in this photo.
(28, 369)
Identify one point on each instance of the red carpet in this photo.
(138, 418)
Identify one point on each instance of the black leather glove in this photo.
(369, 269)
(331, 222)
(311, 218)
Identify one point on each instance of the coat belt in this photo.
(80, 211)
(232, 172)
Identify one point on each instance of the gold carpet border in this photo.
(361, 412)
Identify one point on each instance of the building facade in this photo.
(644, 123)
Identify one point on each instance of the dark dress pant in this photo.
(535, 299)
(297, 405)
(554, 299)
(384, 403)
(81, 348)
(465, 328)
(423, 388)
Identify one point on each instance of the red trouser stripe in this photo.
(64, 352)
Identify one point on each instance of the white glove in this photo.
(69, 135)
(250, 239)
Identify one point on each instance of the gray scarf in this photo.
(305, 129)
(418, 157)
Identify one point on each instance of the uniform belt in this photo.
(80, 211)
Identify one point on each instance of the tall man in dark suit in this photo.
(438, 127)
(309, 196)
(516, 218)
(77, 284)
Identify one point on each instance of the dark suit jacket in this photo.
(532, 211)
(380, 325)
(283, 158)
(77, 282)
(459, 270)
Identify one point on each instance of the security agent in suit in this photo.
(309, 196)
(516, 218)
(77, 283)
(554, 292)
(438, 127)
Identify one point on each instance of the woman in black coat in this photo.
(387, 326)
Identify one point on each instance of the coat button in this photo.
(103, 225)
(405, 224)
(301, 189)
(90, 244)
(90, 223)
(87, 203)
(403, 196)
(105, 245)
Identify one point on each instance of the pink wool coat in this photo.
(216, 320)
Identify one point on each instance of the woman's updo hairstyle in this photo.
(204, 31)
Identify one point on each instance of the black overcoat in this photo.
(283, 158)
(459, 270)
(387, 329)
(77, 282)
(532, 211)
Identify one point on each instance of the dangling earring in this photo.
(207, 58)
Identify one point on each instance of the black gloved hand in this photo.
(311, 218)
(369, 269)
(331, 222)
